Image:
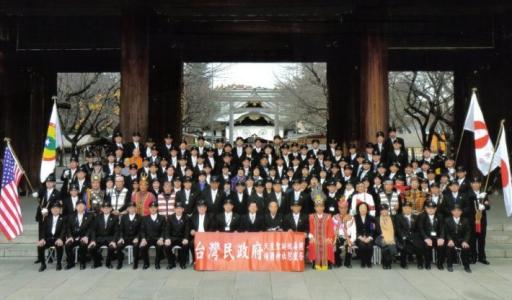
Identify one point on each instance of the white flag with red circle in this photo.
(501, 160)
(483, 144)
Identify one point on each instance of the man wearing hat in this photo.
(90, 159)
(78, 234)
(464, 184)
(296, 220)
(152, 230)
(457, 236)
(453, 196)
(258, 195)
(45, 197)
(407, 236)
(278, 196)
(398, 154)
(391, 139)
(166, 146)
(70, 202)
(94, 195)
(117, 141)
(134, 144)
(81, 180)
(52, 235)
(431, 231)
(177, 237)
(298, 195)
(188, 196)
(104, 233)
(214, 196)
(228, 221)
(240, 198)
(128, 235)
(201, 221)
(332, 197)
(321, 236)
(478, 206)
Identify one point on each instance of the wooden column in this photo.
(134, 73)
(343, 103)
(374, 105)
(166, 86)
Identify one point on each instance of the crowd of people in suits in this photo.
(146, 195)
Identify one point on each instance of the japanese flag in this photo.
(501, 160)
(483, 144)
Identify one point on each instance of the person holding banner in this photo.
(479, 204)
(321, 237)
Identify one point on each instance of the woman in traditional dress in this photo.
(321, 237)
(345, 230)
(143, 198)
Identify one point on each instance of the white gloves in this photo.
(35, 194)
(481, 207)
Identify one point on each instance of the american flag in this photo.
(11, 222)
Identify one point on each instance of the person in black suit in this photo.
(104, 233)
(407, 236)
(296, 220)
(46, 197)
(228, 221)
(187, 196)
(478, 207)
(365, 228)
(214, 196)
(332, 196)
(431, 231)
(240, 198)
(69, 203)
(252, 221)
(397, 154)
(464, 184)
(457, 236)
(201, 221)
(273, 219)
(392, 138)
(78, 234)
(258, 195)
(52, 235)
(297, 194)
(128, 235)
(152, 232)
(69, 175)
(452, 196)
(135, 143)
(177, 236)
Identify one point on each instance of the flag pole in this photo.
(502, 125)
(474, 90)
(8, 141)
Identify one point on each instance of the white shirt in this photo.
(54, 224)
(431, 217)
(153, 217)
(73, 202)
(214, 195)
(49, 193)
(105, 217)
(131, 217)
(80, 218)
(457, 220)
(228, 216)
(296, 195)
(252, 217)
(200, 228)
(296, 218)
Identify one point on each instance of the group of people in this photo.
(146, 195)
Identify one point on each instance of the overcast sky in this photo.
(253, 74)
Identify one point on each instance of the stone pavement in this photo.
(19, 279)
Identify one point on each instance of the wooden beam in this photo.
(134, 74)
(374, 105)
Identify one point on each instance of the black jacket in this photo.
(366, 228)
(247, 225)
(406, 231)
(189, 204)
(457, 233)
(102, 231)
(152, 230)
(129, 230)
(426, 229)
(60, 229)
(45, 202)
(209, 222)
(214, 207)
(177, 230)
(301, 226)
(79, 231)
(273, 224)
(221, 224)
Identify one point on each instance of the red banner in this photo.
(250, 251)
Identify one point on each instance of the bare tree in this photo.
(304, 88)
(199, 105)
(422, 102)
(92, 101)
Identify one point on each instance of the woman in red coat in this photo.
(321, 237)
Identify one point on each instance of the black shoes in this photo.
(449, 268)
(59, 266)
(440, 267)
(70, 266)
(171, 266)
(157, 266)
(428, 267)
(82, 266)
(467, 269)
(484, 261)
(183, 266)
(145, 266)
(420, 267)
(42, 267)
